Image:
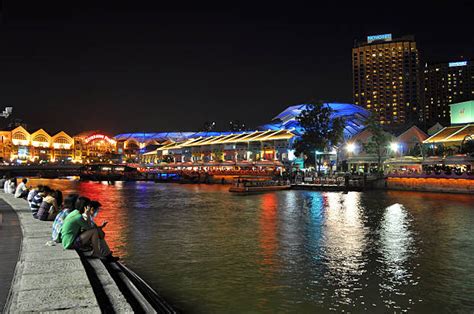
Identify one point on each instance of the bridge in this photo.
(43, 171)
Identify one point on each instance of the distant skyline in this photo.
(150, 68)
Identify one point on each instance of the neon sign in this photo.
(99, 137)
(457, 64)
(384, 37)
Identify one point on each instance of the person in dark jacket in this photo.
(49, 207)
(36, 200)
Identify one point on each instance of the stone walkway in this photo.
(47, 278)
(10, 242)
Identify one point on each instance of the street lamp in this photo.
(350, 147)
(394, 147)
(316, 163)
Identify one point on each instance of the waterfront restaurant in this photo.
(133, 145)
(449, 153)
(245, 149)
(21, 146)
(401, 142)
(452, 148)
(95, 146)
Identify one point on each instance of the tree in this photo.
(321, 132)
(236, 126)
(379, 140)
(467, 145)
(209, 126)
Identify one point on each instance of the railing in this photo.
(433, 174)
(262, 183)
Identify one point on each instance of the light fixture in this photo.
(350, 147)
(394, 146)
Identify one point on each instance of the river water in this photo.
(206, 250)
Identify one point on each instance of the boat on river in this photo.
(247, 185)
(108, 172)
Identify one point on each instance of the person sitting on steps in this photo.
(79, 232)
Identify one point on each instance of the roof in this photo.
(354, 116)
(256, 136)
(452, 134)
(160, 136)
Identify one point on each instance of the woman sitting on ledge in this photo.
(49, 207)
(80, 233)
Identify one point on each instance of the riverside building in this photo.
(386, 77)
(95, 146)
(270, 142)
(20, 146)
(245, 147)
(444, 84)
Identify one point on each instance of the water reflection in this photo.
(209, 251)
(268, 230)
(344, 243)
(396, 246)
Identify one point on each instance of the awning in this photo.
(459, 160)
(408, 160)
(433, 161)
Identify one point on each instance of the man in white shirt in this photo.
(21, 189)
(6, 185)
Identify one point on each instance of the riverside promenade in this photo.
(51, 279)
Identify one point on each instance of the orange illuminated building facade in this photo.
(23, 146)
(20, 146)
(95, 146)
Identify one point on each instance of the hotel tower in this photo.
(385, 74)
(445, 83)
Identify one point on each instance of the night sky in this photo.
(141, 67)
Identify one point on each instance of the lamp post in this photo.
(395, 147)
(350, 148)
(316, 162)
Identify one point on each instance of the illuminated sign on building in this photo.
(384, 37)
(462, 112)
(99, 137)
(457, 64)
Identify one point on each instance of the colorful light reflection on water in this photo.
(207, 250)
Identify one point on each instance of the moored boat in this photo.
(247, 185)
(108, 172)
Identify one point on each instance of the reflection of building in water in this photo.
(396, 240)
(397, 250)
(113, 202)
(344, 243)
(268, 231)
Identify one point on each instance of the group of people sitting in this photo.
(73, 218)
(10, 186)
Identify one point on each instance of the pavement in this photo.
(46, 278)
(10, 244)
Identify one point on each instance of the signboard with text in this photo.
(99, 137)
(384, 37)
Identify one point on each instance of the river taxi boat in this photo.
(247, 185)
(108, 172)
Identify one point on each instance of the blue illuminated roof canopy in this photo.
(353, 115)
